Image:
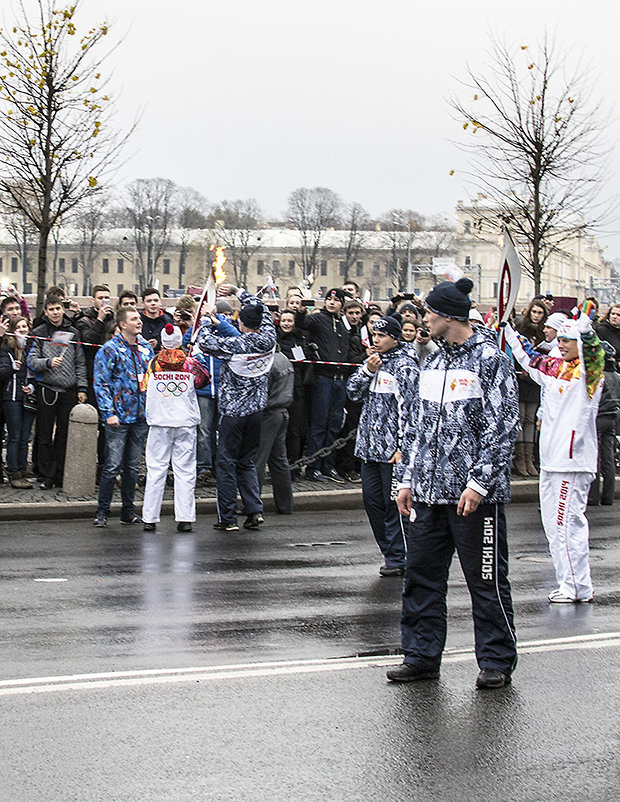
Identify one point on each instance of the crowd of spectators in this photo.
(47, 365)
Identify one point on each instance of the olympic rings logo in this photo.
(171, 388)
(258, 365)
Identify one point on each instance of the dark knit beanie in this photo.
(388, 325)
(336, 293)
(251, 316)
(451, 299)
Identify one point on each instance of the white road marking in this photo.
(116, 679)
(50, 579)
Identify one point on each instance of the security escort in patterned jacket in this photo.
(382, 383)
(464, 425)
(242, 396)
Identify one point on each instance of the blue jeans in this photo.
(387, 524)
(19, 423)
(206, 430)
(328, 397)
(124, 445)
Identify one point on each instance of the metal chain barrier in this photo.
(324, 452)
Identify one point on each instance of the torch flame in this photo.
(219, 276)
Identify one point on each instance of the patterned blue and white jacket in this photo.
(246, 362)
(380, 428)
(118, 373)
(464, 424)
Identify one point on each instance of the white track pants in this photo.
(563, 500)
(163, 444)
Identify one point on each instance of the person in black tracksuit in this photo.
(326, 330)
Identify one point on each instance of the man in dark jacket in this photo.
(272, 446)
(326, 329)
(154, 319)
(60, 369)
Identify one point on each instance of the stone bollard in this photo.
(81, 455)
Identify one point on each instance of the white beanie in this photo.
(555, 320)
(171, 336)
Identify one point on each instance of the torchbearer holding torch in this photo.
(172, 414)
(573, 385)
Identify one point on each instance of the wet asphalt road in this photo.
(304, 588)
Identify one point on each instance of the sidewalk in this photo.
(39, 504)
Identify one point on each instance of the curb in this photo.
(524, 491)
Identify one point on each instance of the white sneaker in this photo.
(557, 597)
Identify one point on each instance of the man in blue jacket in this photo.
(120, 366)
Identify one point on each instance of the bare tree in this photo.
(151, 210)
(24, 236)
(236, 225)
(538, 153)
(355, 220)
(90, 221)
(311, 212)
(399, 226)
(57, 142)
(193, 209)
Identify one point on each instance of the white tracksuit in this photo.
(172, 413)
(568, 457)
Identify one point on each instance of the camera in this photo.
(66, 304)
(183, 314)
(424, 332)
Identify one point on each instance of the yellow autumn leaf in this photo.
(451, 172)
(92, 181)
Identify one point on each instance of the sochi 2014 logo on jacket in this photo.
(173, 384)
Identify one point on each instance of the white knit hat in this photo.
(171, 336)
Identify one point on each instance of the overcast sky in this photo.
(253, 98)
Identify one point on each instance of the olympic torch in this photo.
(508, 284)
(216, 276)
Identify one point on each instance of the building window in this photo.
(1, 268)
(291, 267)
(166, 267)
(323, 268)
(27, 288)
(467, 226)
(376, 269)
(105, 266)
(13, 264)
(74, 265)
(323, 291)
(120, 266)
(342, 268)
(166, 288)
(359, 268)
(260, 267)
(276, 266)
(468, 261)
(119, 288)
